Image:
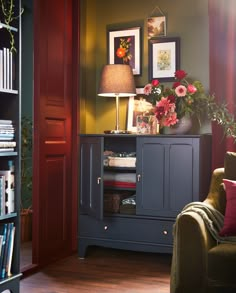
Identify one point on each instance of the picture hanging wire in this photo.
(157, 8)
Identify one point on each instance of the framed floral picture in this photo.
(137, 105)
(164, 58)
(124, 48)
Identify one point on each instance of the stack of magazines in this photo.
(7, 136)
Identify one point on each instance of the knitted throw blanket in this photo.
(212, 218)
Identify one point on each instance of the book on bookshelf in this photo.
(3, 232)
(7, 68)
(8, 198)
(6, 122)
(4, 68)
(6, 149)
(10, 252)
(1, 69)
(2, 196)
(7, 236)
(7, 144)
(6, 250)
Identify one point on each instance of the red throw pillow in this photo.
(229, 228)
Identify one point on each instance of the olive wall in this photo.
(187, 19)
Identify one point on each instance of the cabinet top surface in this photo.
(147, 135)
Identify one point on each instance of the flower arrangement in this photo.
(123, 51)
(171, 104)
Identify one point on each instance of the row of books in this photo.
(7, 235)
(7, 135)
(6, 69)
(7, 188)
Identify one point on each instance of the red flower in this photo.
(159, 112)
(171, 98)
(120, 52)
(191, 89)
(175, 84)
(180, 74)
(155, 82)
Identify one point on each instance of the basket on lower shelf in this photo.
(112, 200)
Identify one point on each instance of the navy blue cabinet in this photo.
(170, 172)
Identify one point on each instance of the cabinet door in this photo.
(165, 175)
(91, 174)
(180, 176)
(151, 166)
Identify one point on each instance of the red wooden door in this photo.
(54, 185)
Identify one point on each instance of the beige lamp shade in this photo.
(117, 80)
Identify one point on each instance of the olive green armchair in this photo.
(199, 263)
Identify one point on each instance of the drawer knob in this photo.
(165, 232)
(105, 227)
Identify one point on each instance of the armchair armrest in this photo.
(192, 241)
(216, 196)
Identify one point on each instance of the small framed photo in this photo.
(137, 105)
(124, 47)
(156, 26)
(164, 58)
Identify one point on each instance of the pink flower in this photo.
(181, 91)
(155, 82)
(171, 119)
(180, 74)
(191, 89)
(147, 89)
(165, 103)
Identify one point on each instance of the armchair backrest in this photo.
(216, 196)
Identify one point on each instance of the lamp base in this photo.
(117, 131)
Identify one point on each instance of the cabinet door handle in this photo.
(138, 177)
(99, 180)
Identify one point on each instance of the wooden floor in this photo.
(102, 271)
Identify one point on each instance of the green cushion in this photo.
(230, 165)
(221, 264)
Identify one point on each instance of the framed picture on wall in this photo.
(124, 47)
(156, 26)
(136, 106)
(164, 58)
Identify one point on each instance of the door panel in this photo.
(53, 201)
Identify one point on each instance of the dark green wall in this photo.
(187, 19)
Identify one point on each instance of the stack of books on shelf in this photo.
(7, 136)
(7, 188)
(7, 234)
(6, 69)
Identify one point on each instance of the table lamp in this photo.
(117, 80)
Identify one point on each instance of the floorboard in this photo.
(103, 271)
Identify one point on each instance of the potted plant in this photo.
(26, 179)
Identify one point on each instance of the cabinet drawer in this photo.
(127, 229)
